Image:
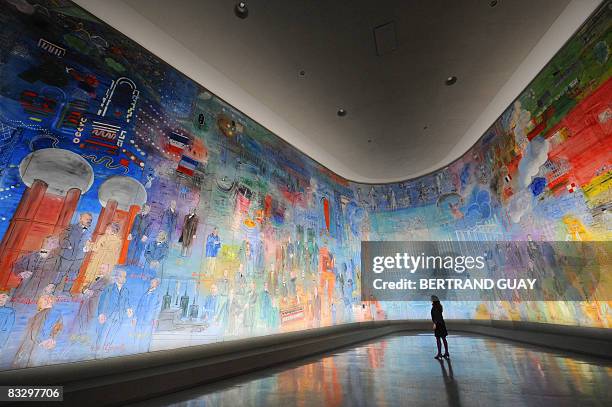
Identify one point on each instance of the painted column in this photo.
(134, 209)
(121, 198)
(104, 219)
(18, 229)
(46, 172)
(69, 206)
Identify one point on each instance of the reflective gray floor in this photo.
(401, 371)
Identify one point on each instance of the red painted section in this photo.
(512, 166)
(127, 222)
(296, 198)
(268, 206)
(547, 114)
(589, 145)
(18, 231)
(68, 208)
(326, 212)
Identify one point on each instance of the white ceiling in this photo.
(398, 100)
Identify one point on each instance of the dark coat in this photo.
(156, 251)
(44, 272)
(438, 319)
(141, 226)
(147, 309)
(168, 222)
(46, 324)
(89, 305)
(190, 226)
(73, 241)
(114, 302)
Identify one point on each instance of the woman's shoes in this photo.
(438, 356)
(446, 356)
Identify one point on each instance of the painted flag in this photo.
(571, 187)
(177, 143)
(187, 165)
(508, 178)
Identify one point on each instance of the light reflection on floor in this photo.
(401, 371)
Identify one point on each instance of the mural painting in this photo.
(140, 212)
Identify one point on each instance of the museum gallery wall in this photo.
(139, 212)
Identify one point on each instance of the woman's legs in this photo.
(439, 345)
(445, 346)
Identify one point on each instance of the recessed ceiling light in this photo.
(241, 9)
(341, 112)
(493, 3)
(302, 74)
(450, 80)
(369, 140)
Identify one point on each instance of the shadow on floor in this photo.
(400, 370)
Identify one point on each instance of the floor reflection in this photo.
(401, 371)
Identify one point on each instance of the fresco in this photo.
(140, 212)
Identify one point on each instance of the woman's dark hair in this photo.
(437, 305)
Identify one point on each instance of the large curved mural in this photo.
(140, 212)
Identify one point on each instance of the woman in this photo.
(439, 327)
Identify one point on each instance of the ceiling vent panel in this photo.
(385, 38)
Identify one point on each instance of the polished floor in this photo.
(401, 371)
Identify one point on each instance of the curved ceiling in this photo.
(402, 121)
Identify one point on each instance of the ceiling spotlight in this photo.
(450, 80)
(241, 9)
(493, 3)
(341, 112)
(302, 74)
(369, 140)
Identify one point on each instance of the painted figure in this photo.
(211, 304)
(40, 334)
(88, 309)
(139, 234)
(38, 271)
(145, 318)
(169, 220)
(213, 245)
(7, 319)
(188, 232)
(246, 257)
(156, 253)
(316, 308)
(105, 253)
(113, 308)
(250, 308)
(267, 313)
(74, 245)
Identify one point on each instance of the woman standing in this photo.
(439, 327)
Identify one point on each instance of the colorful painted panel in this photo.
(140, 212)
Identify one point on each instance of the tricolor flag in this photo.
(187, 165)
(177, 143)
